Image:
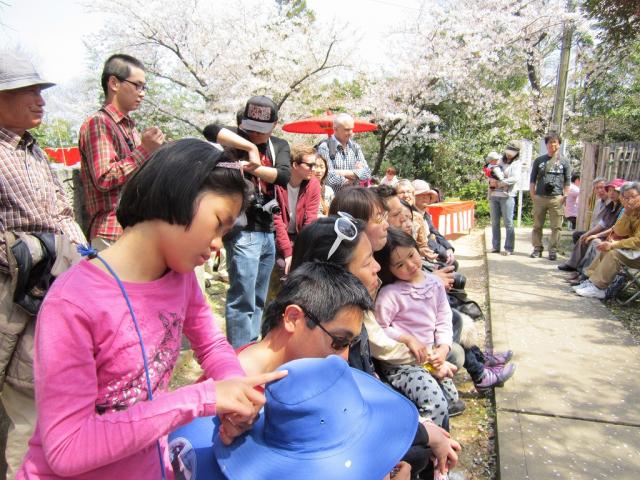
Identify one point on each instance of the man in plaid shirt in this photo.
(111, 148)
(344, 157)
(36, 220)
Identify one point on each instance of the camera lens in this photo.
(459, 281)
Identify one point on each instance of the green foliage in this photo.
(56, 133)
(610, 99)
(476, 190)
(619, 19)
(455, 158)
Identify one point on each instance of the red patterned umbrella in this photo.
(324, 124)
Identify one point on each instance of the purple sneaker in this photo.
(494, 359)
(495, 377)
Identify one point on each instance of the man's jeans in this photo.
(542, 205)
(250, 260)
(502, 207)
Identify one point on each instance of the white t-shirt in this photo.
(293, 193)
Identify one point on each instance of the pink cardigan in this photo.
(94, 420)
(421, 310)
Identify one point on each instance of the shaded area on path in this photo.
(571, 409)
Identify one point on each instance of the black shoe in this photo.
(495, 251)
(565, 268)
(553, 256)
(536, 254)
(456, 408)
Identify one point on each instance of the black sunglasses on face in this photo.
(337, 343)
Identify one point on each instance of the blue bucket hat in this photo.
(323, 420)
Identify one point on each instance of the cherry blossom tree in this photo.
(463, 50)
(206, 58)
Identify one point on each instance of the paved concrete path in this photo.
(572, 410)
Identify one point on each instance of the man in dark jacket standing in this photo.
(250, 245)
(549, 185)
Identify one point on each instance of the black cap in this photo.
(260, 115)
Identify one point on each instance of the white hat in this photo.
(420, 187)
(18, 72)
(493, 156)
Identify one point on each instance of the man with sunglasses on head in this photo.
(250, 245)
(112, 150)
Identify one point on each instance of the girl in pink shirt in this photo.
(94, 364)
(412, 308)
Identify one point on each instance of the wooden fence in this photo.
(617, 160)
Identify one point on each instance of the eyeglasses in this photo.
(345, 230)
(337, 343)
(140, 87)
(310, 166)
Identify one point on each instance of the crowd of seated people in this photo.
(612, 241)
(367, 277)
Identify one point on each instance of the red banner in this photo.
(67, 156)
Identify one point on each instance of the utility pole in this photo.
(557, 119)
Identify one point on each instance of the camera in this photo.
(272, 207)
(260, 205)
(459, 281)
(548, 188)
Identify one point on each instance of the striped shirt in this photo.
(111, 153)
(350, 158)
(31, 197)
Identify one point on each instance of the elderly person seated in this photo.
(584, 250)
(602, 200)
(623, 250)
(425, 196)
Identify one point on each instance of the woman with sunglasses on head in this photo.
(108, 333)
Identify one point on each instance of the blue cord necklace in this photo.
(90, 253)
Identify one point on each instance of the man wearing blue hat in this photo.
(36, 221)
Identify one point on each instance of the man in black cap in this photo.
(36, 222)
(250, 246)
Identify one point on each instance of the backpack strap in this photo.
(331, 145)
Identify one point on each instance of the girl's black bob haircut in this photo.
(395, 238)
(167, 186)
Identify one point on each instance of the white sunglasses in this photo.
(345, 230)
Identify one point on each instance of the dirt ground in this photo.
(475, 428)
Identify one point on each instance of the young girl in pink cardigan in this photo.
(98, 361)
(412, 308)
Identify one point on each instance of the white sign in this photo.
(526, 157)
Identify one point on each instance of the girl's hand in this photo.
(438, 356)
(417, 348)
(238, 402)
(447, 370)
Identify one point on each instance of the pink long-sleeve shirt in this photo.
(421, 310)
(94, 419)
